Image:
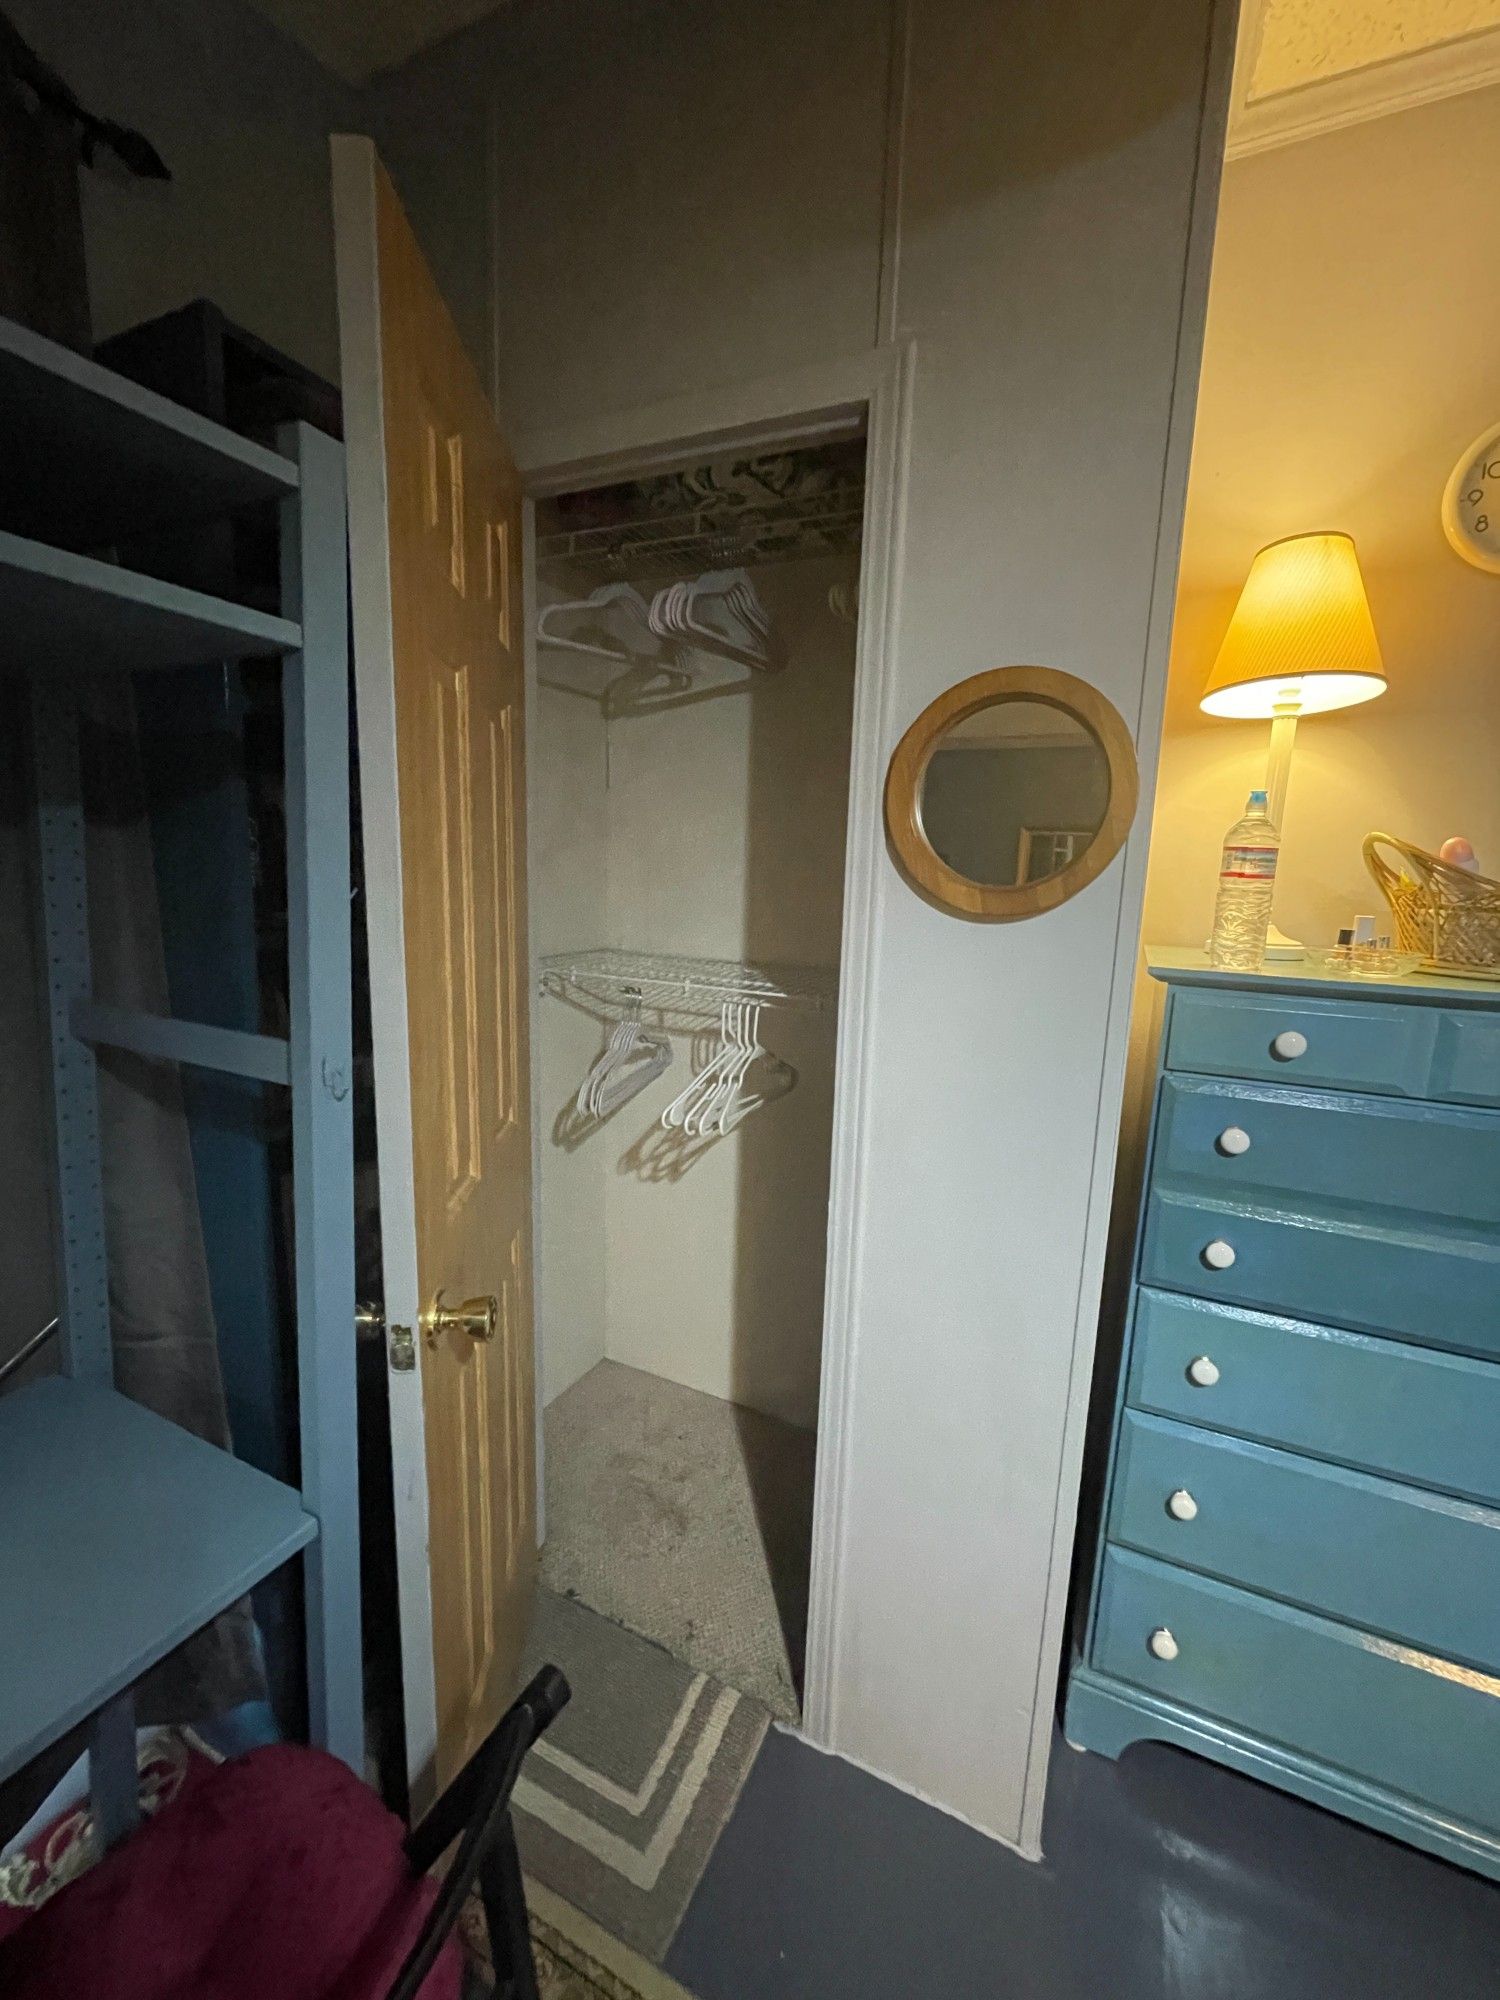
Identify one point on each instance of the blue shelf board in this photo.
(63, 613)
(122, 1535)
(91, 457)
(231, 1051)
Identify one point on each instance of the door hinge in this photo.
(400, 1341)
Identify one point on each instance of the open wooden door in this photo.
(435, 535)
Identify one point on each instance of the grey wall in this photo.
(683, 195)
(242, 117)
(638, 200)
(634, 200)
(1349, 361)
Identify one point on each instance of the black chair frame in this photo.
(475, 1811)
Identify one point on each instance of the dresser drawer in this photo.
(1399, 1560)
(1395, 1050)
(1406, 1720)
(1366, 1401)
(1330, 1150)
(1439, 1288)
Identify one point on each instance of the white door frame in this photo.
(356, 260)
(793, 408)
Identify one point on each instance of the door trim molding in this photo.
(800, 406)
(1147, 727)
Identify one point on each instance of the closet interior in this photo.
(689, 763)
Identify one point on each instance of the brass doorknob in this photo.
(479, 1318)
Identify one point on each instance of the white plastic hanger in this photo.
(616, 611)
(720, 613)
(649, 1058)
(716, 1100)
(627, 1063)
(685, 1105)
(722, 1098)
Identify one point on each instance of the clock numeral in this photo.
(1481, 524)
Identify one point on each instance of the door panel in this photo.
(442, 558)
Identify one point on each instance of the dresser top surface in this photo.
(1180, 965)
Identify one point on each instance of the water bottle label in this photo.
(1248, 864)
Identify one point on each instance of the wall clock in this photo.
(1471, 503)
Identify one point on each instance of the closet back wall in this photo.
(721, 835)
(671, 199)
(727, 840)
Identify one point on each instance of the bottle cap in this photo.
(1257, 798)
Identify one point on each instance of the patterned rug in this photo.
(622, 1801)
(575, 1960)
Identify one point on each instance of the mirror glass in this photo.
(1014, 792)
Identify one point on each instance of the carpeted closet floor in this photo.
(687, 1519)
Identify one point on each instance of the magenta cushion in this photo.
(278, 1876)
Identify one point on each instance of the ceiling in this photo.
(357, 39)
(1308, 66)
(1303, 66)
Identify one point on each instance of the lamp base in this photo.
(1280, 948)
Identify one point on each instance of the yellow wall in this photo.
(1352, 352)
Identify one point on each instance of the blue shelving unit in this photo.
(123, 1534)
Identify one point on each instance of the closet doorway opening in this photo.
(689, 762)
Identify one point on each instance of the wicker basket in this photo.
(1448, 914)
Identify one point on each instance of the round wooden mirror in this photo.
(1009, 793)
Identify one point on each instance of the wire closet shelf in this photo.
(660, 547)
(694, 990)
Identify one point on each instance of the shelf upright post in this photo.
(315, 698)
(83, 1267)
(83, 1279)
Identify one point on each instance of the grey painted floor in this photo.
(1166, 1878)
(687, 1519)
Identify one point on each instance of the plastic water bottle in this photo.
(1247, 881)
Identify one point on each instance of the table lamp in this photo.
(1301, 642)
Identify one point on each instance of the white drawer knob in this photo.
(1162, 1645)
(1233, 1140)
(1218, 1255)
(1289, 1044)
(1203, 1370)
(1182, 1506)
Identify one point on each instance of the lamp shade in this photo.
(1301, 639)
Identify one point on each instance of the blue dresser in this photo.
(1298, 1570)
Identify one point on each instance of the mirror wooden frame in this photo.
(1003, 903)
